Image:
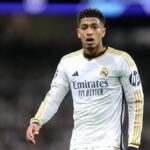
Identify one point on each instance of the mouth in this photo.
(90, 41)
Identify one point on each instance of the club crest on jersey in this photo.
(134, 78)
(104, 72)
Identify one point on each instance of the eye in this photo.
(94, 27)
(83, 27)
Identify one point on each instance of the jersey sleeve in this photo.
(132, 87)
(54, 97)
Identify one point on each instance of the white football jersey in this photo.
(97, 87)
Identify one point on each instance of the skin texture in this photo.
(31, 132)
(91, 31)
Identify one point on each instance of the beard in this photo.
(90, 48)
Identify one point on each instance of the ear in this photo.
(78, 33)
(104, 32)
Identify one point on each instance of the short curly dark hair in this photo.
(89, 12)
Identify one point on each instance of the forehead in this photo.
(90, 20)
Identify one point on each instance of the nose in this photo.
(89, 32)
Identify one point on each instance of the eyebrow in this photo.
(93, 24)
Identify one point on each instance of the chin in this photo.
(90, 48)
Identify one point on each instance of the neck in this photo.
(95, 52)
(89, 56)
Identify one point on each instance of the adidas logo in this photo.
(75, 74)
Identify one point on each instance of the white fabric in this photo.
(96, 87)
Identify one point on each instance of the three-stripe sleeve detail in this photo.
(137, 126)
(125, 55)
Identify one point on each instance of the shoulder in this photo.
(71, 55)
(121, 56)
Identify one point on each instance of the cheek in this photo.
(83, 41)
(82, 36)
(101, 35)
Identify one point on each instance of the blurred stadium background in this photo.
(34, 35)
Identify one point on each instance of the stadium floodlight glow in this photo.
(146, 6)
(35, 6)
(111, 9)
(28, 7)
(118, 8)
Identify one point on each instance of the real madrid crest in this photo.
(104, 72)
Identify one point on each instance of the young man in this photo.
(97, 76)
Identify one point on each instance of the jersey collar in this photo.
(89, 57)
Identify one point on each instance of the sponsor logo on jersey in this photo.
(104, 72)
(90, 88)
(134, 78)
(90, 84)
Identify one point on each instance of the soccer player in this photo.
(98, 76)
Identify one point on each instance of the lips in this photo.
(90, 41)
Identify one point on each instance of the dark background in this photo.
(30, 49)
